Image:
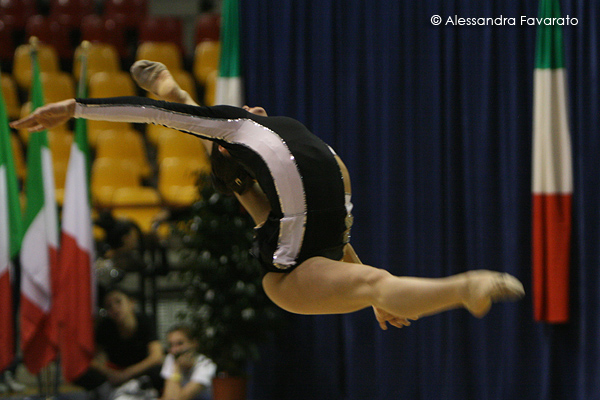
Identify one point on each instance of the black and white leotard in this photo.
(298, 172)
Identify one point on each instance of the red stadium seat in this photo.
(71, 12)
(92, 28)
(95, 28)
(207, 27)
(162, 29)
(52, 32)
(6, 38)
(18, 11)
(129, 12)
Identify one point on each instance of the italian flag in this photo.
(552, 181)
(10, 237)
(229, 81)
(75, 299)
(39, 251)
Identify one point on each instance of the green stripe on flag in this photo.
(37, 93)
(34, 187)
(81, 136)
(549, 52)
(229, 63)
(15, 221)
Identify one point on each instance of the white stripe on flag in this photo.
(552, 144)
(229, 91)
(4, 223)
(36, 277)
(49, 198)
(76, 203)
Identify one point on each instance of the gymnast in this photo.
(297, 190)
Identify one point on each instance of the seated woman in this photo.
(188, 375)
(127, 346)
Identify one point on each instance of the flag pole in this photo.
(44, 377)
(75, 266)
(38, 334)
(11, 231)
(34, 42)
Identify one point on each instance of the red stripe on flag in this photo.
(38, 328)
(551, 255)
(74, 307)
(37, 347)
(7, 339)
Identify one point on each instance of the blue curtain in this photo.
(434, 123)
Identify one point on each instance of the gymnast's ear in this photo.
(224, 151)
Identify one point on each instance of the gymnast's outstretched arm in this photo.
(219, 122)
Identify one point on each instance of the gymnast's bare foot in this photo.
(484, 287)
(156, 78)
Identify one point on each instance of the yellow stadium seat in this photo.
(144, 217)
(18, 156)
(96, 128)
(155, 132)
(47, 58)
(60, 176)
(139, 204)
(11, 96)
(101, 57)
(60, 145)
(137, 196)
(186, 82)
(25, 111)
(210, 89)
(178, 180)
(109, 174)
(206, 59)
(183, 146)
(111, 84)
(124, 145)
(165, 52)
(57, 86)
(98, 232)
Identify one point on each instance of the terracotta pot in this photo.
(227, 387)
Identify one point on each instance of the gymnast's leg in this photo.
(323, 286)
(156, 78)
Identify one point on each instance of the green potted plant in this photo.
(227, 305)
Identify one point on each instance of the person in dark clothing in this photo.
(299, 198)
(121, 235)
(127, 345)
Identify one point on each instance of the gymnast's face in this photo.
(256, 110)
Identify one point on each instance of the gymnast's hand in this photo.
(47, 117)
(384, 317)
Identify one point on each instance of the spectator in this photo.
(188, 375)
(127, 346)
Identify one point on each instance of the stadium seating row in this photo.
(123, 23)
(103, 66)
(122, 165)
